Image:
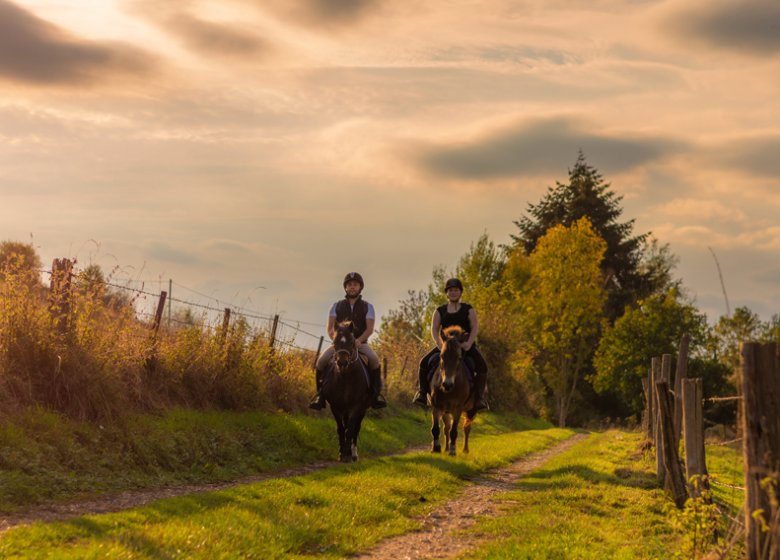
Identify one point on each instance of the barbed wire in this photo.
(239, 310)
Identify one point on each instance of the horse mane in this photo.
(451, 334)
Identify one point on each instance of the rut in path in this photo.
(441, 535)
(129, 499)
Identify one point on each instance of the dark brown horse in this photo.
(346, 389)
(451, 393)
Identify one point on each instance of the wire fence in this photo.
(287, 334)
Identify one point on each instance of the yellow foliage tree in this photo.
(563, 308)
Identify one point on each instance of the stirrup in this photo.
(378, 402)
(481, 405)
(317, 403)
(421, 399)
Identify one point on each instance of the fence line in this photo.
(291, 324)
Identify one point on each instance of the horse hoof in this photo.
(436, 449)
(354, 458)
(452, 452)
(345, 458)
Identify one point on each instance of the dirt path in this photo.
(135, 498)
(474, 501)
(441, 533)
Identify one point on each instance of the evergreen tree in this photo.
(629, 275)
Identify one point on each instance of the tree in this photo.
(563, 308)
(20, 258)
(628, 276)
(654, 327)
(742, 325)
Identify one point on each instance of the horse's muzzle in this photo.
(447, 385)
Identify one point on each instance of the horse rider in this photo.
(454, 312)
(361, 313)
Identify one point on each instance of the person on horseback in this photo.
(454, 312)
(361, 313)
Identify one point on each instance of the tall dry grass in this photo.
(100, 361)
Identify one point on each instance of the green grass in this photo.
(600, 499)
(334, 512)
(46, 457)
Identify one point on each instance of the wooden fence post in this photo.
(60, 293)
(674, 476)
(159, 313)
(317, 355)
(225, 325)
(680, 374)
(647, 411)
(760, 368)
(693, 440)
(273, 331)
(656, 378)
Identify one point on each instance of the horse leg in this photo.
(344, 452)
(436, 446)
(466, 431)
(354, 432)
(447, 429)
(454, 432)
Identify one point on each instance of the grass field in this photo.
(331, 513)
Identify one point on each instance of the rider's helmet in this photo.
(453, 283)
(354, 276)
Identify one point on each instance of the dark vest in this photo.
(356, 314)
(461, 318)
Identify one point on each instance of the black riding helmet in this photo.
(354, 276)
(453, 283)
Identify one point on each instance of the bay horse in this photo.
(451, 392)
(346, 389)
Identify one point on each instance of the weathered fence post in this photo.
(159, 313)
(659, 459)
(680, 374)
(317, 355)
(60, 292)
(225, 326)
(671, 460)
(693, 436)
(760, 368)
(273, 331)
(646, 422)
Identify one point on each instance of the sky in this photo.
(255, 152)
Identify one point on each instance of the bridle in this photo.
(352, 355)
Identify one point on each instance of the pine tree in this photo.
(628, 275)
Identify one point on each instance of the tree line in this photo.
(573, 307)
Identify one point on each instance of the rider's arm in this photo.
(331, 327)
(363, 338)
(435, 326)
(474, 330)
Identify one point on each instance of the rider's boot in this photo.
(318, 402)
(480, 384)
(375, 378)
(421, 397)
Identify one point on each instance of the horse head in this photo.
(451, 354)
(345, 346)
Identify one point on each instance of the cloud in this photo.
(541, 147)
(238, 37)
(756, 155)
(325, 12)
(751, 26)
(215, 38)
(35, 51)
